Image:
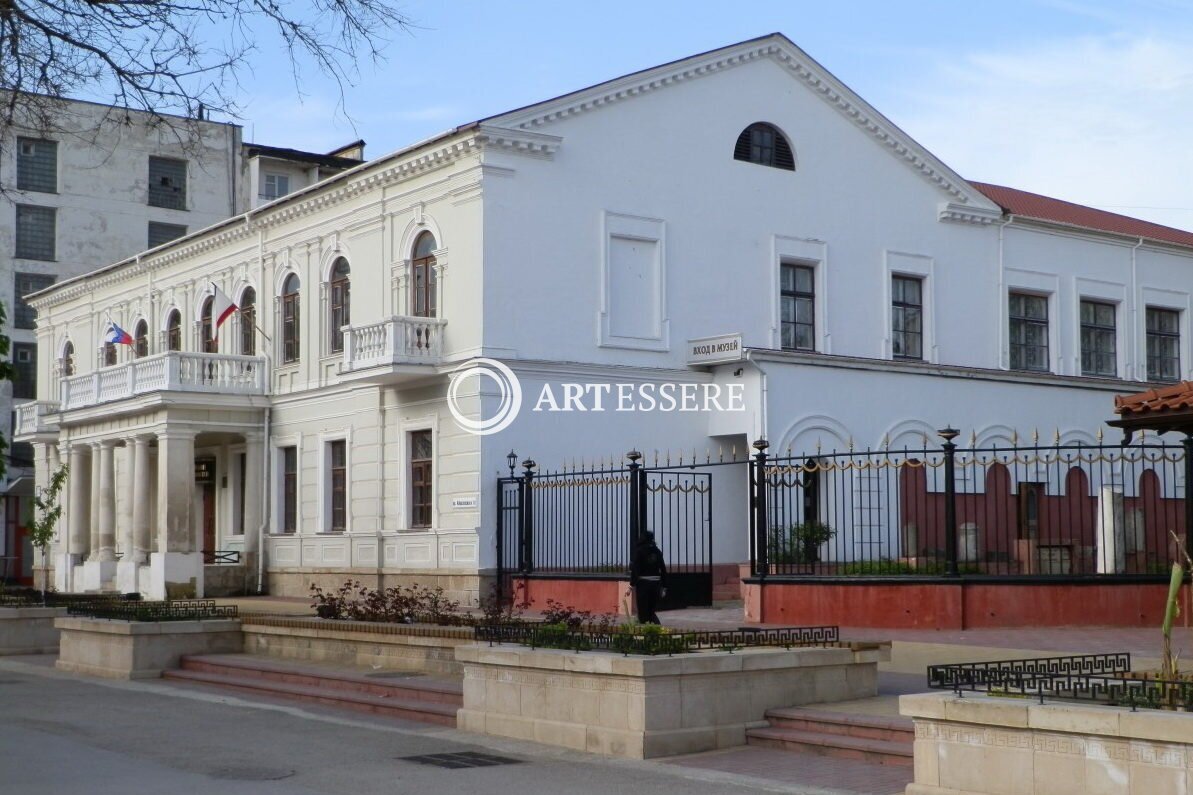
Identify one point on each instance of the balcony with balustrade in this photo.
(35, 418)
(395, 347)
(171, 372)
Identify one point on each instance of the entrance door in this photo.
(208, 518)
(679, 513)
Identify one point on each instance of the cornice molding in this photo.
(965, 214)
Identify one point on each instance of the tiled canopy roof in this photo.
(1165, 400)
(1043, 208)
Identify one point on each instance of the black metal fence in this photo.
(1059, 510)
(655, 642)
(585, 522)
(1103, 678)
(168, 610)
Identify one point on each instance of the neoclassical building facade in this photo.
(869, 294)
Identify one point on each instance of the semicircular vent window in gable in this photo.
(763, 144)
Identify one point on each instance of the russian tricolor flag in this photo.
(221, 309)
(118, 336)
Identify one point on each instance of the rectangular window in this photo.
(421, 473)
(242, 466)
(167, 183)
(274, 186)
(37, 165)
(797, 305)
(337, 460)
(36, 231)
(163, 233)
(1029, 332)
(289, 489)
(25, 284)
(1163, 344)
(24, 360)
(1098, 339)
(907, 317)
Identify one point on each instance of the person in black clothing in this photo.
(648, 577)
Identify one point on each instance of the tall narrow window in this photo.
(174, 331)
(763, 144)
(421, 477)
(248, 322)
(423, 265)
(37, 165)
(907, 317)
(340, 304)
(1098, 339)
(290, 319)
(24, 361)
(798, 307)
(241, 473)
(36, 232)
(26, 284)
(109, 355)
(289, 489)
(167, 183)
(141, 339)
(1029, 332)
(337, 455)
(1163, 344)
(66, 365)
(207, 343)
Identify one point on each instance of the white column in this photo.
(78, 483)
(176, 569)
(93, 524)
(142, 476)
(254, 452)
(107, 501)
(134, 518)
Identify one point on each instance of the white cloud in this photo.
(1104, 121)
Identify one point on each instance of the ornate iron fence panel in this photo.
(655, 643)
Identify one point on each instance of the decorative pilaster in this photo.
(141, 479)
(176, 569)
(106, 501)
(79, 505)
(94, 544)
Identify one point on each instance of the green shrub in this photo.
(798, 543)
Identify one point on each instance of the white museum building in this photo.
(738, 218)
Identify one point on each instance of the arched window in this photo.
(340, 304)
(68, 359)
(174, 331)
(248, 322)
(141, 339)
(206, 330)
(109, 354)
(763, 144)
(290, 316)
(423, 266)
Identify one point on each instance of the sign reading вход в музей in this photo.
(715, 350)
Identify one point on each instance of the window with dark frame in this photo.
(274, 186)
(763, 144)
(37, 165)
(340, 306)
(423, 267)
(24, 361)
(248, 322)
(337, 454)
(109, 356)
(1099, 339)
(907, 317)
(141, 339)
(1163, 344)
(1028, 332)
(174, 331)
(289, 489)
(206, 327)
(160, 233)
(25, 284)
(167, 183)
(66, 365)
(242, 467)
(290, 318)
(797, 305)
(36, 232)
(421, 475)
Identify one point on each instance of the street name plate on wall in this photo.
(463, 502)
(715, 350)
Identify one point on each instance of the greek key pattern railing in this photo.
(172, 371)
(396, 340)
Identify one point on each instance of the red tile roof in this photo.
(1043, 208)
(1177, 397)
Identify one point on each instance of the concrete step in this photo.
(882, 739)
(410, 698)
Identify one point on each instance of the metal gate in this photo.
(583, 523)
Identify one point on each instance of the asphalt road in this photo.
(62, 735)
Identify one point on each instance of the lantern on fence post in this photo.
(950, 499)
(511, 461)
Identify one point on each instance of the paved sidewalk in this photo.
(805, 769)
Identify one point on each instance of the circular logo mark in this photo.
(507, 387)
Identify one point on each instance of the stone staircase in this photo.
(883, 739)
(392, 694)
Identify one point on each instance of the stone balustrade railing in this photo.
(38, 416)
(394, 341)
(171, 371)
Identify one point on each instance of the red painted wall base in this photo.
(598, 596)
(963, 605)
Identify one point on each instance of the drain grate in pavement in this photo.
(460, 760)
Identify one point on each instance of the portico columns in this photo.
(78, 506)
(176, 569)
(141, 493)
(254, 458)
(94, 544)
(107, 501)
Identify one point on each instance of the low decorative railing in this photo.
(33, 417)
(171, 371)
(639, 640)
(395, 340)
(1102, 678)
(171, 610)
(221, 556)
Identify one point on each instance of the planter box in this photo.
(29, 630)
(978, 745)
(397, 647)
(139, 649)
(643, 707)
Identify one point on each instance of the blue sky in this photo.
(1088, 101)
